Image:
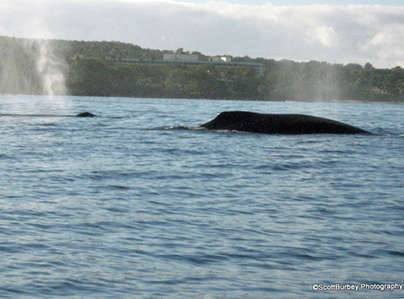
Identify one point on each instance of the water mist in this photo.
(33, 67)
(51, 69)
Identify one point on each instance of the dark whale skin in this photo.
(285, 124)
(85, 114)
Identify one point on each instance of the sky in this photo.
(335, 31)
(306, 2)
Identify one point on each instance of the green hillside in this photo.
(96, 69)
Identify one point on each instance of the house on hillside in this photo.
(193, 60)
(181, 57)
(220, 59)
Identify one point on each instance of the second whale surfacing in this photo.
(284, 124)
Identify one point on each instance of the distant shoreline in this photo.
(213, 99)
(352, 102)
(114, 69)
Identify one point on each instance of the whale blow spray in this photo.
(30, 66)
(51, 69)
(33, 67)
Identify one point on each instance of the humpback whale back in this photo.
(291, 124)
(85, 114)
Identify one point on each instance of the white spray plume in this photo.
(50, 69)
(31, 67)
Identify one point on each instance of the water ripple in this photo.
(148, 207)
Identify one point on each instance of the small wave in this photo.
(119, 187)
(6, 157)
(395, 253)
(177, 128)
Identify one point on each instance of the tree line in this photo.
(95, 69)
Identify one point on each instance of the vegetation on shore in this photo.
(95, 69)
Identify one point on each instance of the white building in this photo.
(181, 57)
(220, 58)
(193, 60)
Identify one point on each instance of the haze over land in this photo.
(335, 33)
(114, 69)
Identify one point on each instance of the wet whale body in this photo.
(289, 124)
(85, 114)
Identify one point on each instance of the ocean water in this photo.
(143, 207)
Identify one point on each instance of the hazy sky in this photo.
(336, 31)
(305, 2)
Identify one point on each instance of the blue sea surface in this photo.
(144, 206)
